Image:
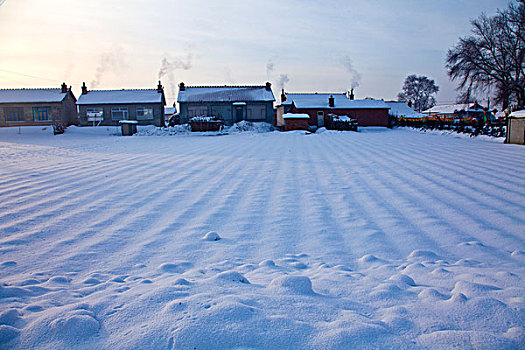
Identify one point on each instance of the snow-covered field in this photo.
(378, 239)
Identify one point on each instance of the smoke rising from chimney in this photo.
(110, 61)
(355, 77)
(168, 67)
(283, 79)
(270, 67)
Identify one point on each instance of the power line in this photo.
(27, 75)
(13, 80)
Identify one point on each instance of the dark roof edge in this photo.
(122, 90)
(315, 93)
(225, 86)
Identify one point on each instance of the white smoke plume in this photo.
(355, 77)
(283, 79)
(270, 67)
(110, 61)
(167, 69)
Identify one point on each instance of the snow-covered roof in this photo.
(296, 116)
(401, 109)
(453, 108)
(170, 110)
(31, 95)
(341, 101)
(518, 114)
(99, 97)
(225, 94)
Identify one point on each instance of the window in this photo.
(198, 111)
(256, 113)
(13, 114)
(41, 114)
(119, 113)
(95, 114)
(144, 113)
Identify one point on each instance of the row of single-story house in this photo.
(19, 107)
(230, 104)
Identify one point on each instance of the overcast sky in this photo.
(305, 45)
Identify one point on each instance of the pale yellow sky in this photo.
(120, 44)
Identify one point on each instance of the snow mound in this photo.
(292, 284)
(232, 276)
(250, 127)
(211, 236)
(76, 326)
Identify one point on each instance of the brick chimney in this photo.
(331, 101)
(160, 88)
(283, 96)
(64, 88)
(182, 87)
(84, 88)
(268, 86)
(352, 94)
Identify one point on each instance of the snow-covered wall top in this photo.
(518, 114)
(31, 95)
(225, 94)
(94, 97)
(295, 116)
(341, 101)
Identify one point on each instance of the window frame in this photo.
(149, 115)
(119, 110)
(9, 111)
(39, 111)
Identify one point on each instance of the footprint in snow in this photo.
(8, 263)
(175, 267)
(60, 280)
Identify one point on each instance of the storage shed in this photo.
(516, 128)
(295, 121)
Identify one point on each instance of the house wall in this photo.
(279, 121)
(27, 113)
(252, 111)
(69, 110)
(365, 117)
(158, 114)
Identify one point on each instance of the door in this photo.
(239, 113)
(320, 119)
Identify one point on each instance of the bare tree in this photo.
(492, 58)
(419, 91)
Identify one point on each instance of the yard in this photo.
(339, 240)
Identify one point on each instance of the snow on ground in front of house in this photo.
(377, 239)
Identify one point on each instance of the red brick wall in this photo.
(365, 117)
(295, 124)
